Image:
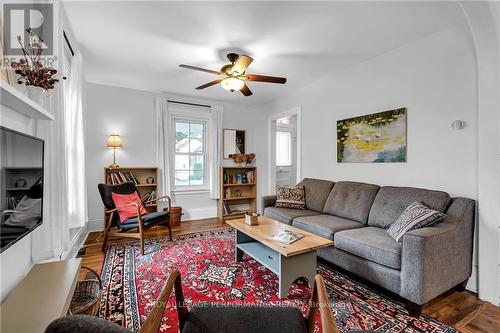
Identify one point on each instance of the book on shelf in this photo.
(286, 236)
(247, 177)
(148, 196)
(227, 208)
(118, 177)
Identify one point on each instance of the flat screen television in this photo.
(21, 185)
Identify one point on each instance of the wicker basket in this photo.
(87, 296)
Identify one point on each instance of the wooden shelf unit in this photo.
(235, 193)
(141, 174)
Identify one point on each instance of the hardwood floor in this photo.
(462, 310)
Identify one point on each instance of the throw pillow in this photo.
(415, 216)
(27, 213)
(291, 197)
(126, 213)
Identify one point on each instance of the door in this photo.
(284, 137)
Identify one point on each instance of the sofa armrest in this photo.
(435, 259)
(268, 201)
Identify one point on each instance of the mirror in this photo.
(234, 142)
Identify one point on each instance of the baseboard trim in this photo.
(199, 213)
(95, 225)
(76, 243)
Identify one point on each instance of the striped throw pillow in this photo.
(415, 216)
(291, 197)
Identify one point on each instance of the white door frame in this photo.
(296, 111)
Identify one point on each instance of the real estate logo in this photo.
(19, 19)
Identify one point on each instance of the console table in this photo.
(43, 295)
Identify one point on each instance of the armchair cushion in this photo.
(148, 219)
(219, 318)
(122, 200)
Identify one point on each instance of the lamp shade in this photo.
(114, 141)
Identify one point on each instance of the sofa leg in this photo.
(414, 310)
(461, 286)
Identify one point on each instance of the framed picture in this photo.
(373, 138)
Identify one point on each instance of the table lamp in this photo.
(114, 141)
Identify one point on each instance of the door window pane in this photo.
(283, 148)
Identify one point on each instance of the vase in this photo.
(36, 94)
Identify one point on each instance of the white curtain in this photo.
(214, 150)
(52, 237)
(75, 150)
(163, 146)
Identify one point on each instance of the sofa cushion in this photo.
(351, 200)
(371, 243)
(391, 201)
(291, 197)
(317, 191)
(286, 215)
(325, 225)
(415, 216)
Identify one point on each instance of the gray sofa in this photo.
(428, 261)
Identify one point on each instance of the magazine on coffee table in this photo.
(286, 236)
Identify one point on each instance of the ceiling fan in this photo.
(233, 75)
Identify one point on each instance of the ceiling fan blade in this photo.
(199, 69)
(209, 84)
(264, 78)
(241, 64)
(246, 91)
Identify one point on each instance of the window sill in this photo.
(191, 191)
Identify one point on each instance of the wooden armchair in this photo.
(139, 223)
(209, 317)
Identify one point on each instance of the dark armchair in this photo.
(133, 227)
(220, 318)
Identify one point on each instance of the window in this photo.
(190, 154)
(283, 148)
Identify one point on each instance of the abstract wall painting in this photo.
(374, 138)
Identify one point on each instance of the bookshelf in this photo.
(139, 177)
(238, 187)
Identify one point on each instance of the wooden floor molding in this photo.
(462, 310)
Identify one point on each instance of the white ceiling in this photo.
(139, 44)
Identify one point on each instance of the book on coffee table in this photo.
(286, 236)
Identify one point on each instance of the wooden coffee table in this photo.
(288, 261)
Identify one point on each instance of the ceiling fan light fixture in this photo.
(232, 84)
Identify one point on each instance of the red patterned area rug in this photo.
(209, 273)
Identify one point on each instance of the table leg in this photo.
(240, 239)
(291, 268)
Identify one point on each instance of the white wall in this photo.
(484, 22)
(435, 78)
(131, 113)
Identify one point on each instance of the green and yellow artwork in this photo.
(374, 138)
